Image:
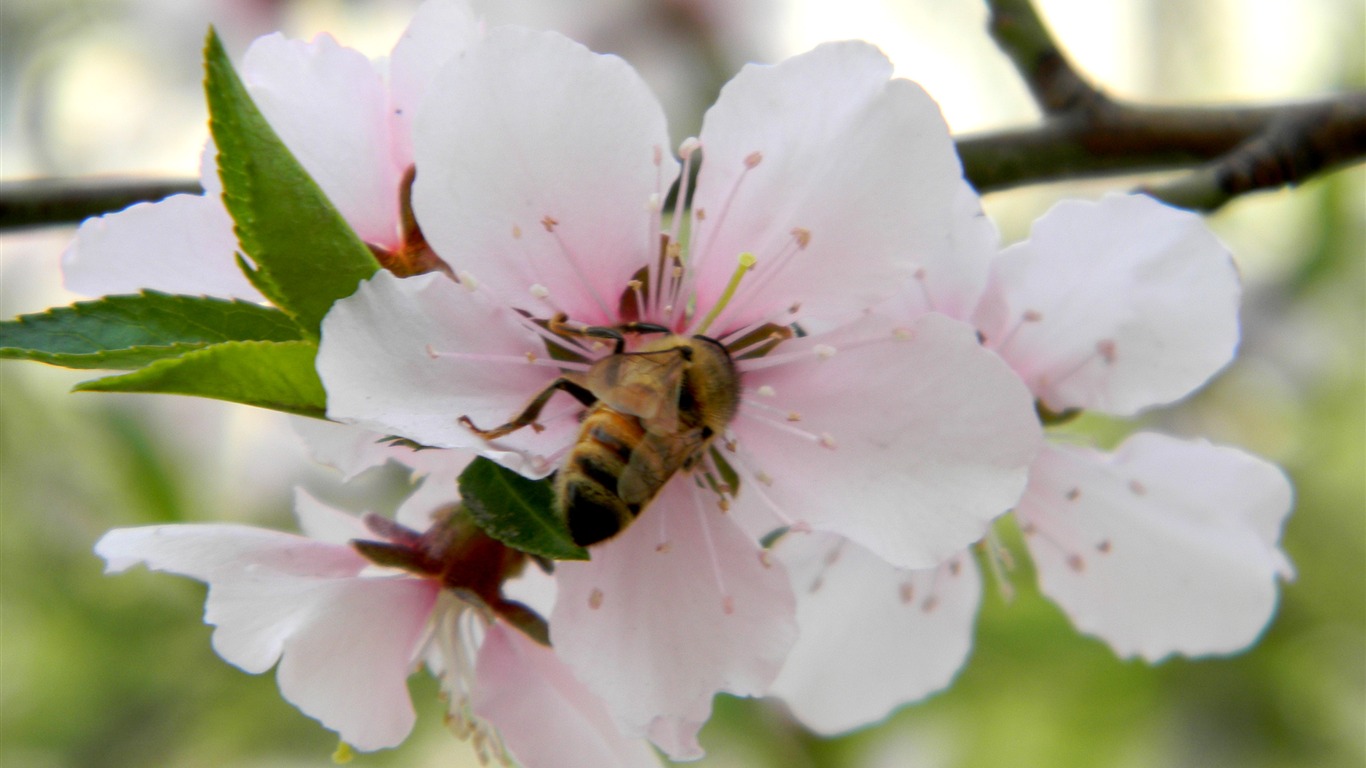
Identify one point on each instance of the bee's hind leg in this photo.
(533, 409)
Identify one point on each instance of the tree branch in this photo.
(44, 202)
(1086, 133)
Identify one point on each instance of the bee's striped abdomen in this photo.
(587, 484)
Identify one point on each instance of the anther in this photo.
(1103, 546)
(531, 357)
(549, 222)
(467, 280)
(824, 351)
(432, 353)
(595, 599)
(794, 416)
(516, 232)
(902, 334)
(728, 605)
(907, 593)
(1073, 494)
(1032, 316)
(663, 547)
(1075, 562)
(763, 477)
(539, 291)
(701, 214)
(765, 559)
(1137, 488)
(827, 440)
(803, 237)
(654, 203)
(930, 604)
(688, 147)
(753, 159)
(765, 391)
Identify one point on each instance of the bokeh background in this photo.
(118, 671)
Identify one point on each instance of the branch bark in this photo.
(1086, 133)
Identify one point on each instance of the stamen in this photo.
(747, 262)
(1028, 316)
(551, 225)
(1104, 350)
(750, 162)
(996, 554)
(727, 601)
(526, 358)
(539, 291)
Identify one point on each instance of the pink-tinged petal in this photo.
(352, 450)
(906, 439)
(347, 449)
(950, 280)
(546, 717)
(440, 30)
(345, 643)
(410, 356)
(872, 637)
(183, 244)
(1116, 305)
(434, 492)
(347, 663)
(209, 551)
(679, 606)
(1163, 547)
(537, 159)
(855, 176)
(329, 106)
(325, 523)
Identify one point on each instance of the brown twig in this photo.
(1085, 132)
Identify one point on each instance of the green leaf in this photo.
(305, 254)
(128, 332)
(278, 375)
(517, 511)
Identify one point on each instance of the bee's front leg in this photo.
(533, 409)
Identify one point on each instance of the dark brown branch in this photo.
(1087, 133)
(44, 202)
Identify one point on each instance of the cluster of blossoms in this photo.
(892, 368)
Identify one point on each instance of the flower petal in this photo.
(950, 279)
(680, 605)
(411, 356)
(546, 717)
(537, 159)
(906, 439)
(861, 165)
(1162, 547)
(1114, 306)
(345, 643)
(329, 106)
(439, 31)
(872, 637)
(182, 244)
(327, 524)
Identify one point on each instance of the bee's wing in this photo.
(653, 462)
(642, 384)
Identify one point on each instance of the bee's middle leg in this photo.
(533, 409)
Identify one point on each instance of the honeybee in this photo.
(651, 412)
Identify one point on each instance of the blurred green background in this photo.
(118, 671)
